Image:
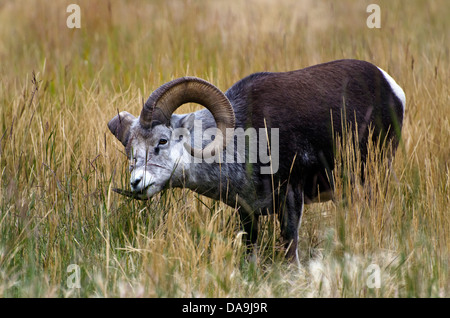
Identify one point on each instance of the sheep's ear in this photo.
(120, 126)
(188, 122)
(183, 121)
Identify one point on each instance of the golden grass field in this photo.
(59, 162)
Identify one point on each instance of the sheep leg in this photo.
(250, 224)
(290, 219)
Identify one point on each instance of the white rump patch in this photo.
(398, 91)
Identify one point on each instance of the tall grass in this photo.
(59, 162)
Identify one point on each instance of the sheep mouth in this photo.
(139, 195)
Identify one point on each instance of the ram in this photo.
(296, 116)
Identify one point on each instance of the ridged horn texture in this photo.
(166, 99)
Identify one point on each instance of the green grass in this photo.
(58, 161)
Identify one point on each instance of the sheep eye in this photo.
(163, 141)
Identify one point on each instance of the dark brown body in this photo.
(309, 106)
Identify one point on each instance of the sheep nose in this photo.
(135, 183)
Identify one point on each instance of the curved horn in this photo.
(166, 99)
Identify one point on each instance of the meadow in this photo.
(58, 161)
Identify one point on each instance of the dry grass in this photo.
(58, 161)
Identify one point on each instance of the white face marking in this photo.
(398, 91)
(155, 160)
